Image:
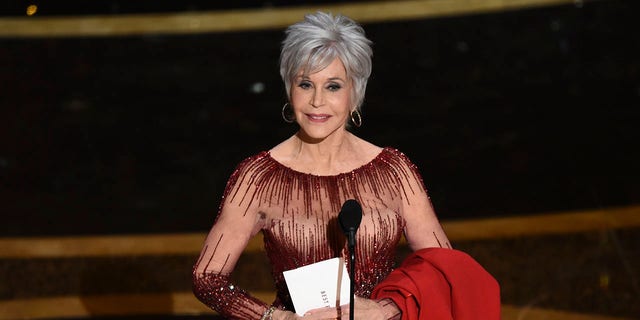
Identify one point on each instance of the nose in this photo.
(317, 99)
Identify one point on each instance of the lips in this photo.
(318, 117)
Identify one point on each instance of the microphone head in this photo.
(350, 216)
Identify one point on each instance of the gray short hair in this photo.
(312, 44)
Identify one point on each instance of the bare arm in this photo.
(423, 229)
(237, 222)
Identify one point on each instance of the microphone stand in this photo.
(350, 217)
(352, 273)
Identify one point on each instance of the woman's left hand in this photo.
(364, 309)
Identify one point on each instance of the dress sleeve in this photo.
(238, 220)
(422, 227)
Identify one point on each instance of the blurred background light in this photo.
(32, 9)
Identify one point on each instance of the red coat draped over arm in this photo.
(438, 284)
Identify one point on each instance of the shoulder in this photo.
(246, 168)
(256, 157)
(394, 152)
(396, 156)
(403, 167)
(249, 174)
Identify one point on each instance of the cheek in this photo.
(342, 102)
(297, 105)
(297, 95)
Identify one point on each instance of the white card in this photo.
(321, 284)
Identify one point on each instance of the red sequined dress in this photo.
(297, 214)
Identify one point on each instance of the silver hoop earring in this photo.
(287, 115)
(356, 118)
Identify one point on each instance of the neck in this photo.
(327, 153)
(329, 145)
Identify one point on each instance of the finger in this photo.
(322, 313)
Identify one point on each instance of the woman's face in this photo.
(321, 101)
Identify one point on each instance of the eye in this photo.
(304, 84)
(334, 87)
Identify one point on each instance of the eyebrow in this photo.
(303, 77)
(336, 78)
(330, 79)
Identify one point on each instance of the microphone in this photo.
(350, 217)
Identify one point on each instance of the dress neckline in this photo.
(356, 170)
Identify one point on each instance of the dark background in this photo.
(505, 114)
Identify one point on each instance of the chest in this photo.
(312, 230)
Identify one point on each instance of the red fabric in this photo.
(439, 284)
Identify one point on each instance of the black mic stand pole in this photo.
(352, 273)
(350, 217)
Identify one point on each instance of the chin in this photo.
(314, 136)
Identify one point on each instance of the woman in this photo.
(293, 192)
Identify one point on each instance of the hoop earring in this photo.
(284, 113)
(357, 119)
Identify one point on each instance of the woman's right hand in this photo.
(319, 314)
(284, 315)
